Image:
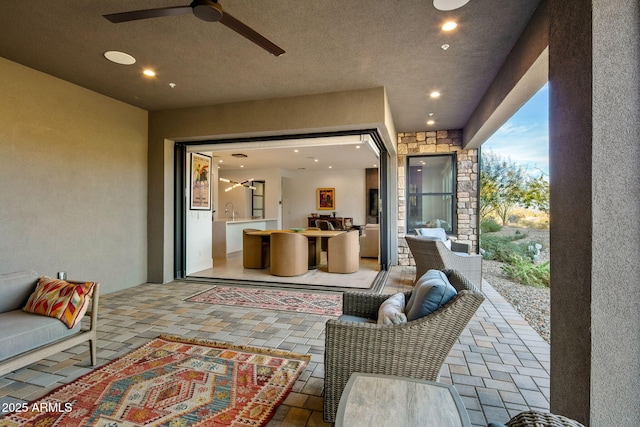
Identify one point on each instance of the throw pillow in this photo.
(431, 292)
(62, 300)
(391, 311)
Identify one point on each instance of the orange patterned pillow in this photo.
(62, 300)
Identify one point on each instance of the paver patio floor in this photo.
(500, 365)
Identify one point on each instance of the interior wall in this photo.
(241, 197)
(73, 170)
(199, 229)
(350, 186)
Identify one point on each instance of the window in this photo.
(431, 192)
(257, 199)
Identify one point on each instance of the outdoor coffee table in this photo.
(383, 400)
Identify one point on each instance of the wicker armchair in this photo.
(433, 254)
(415, 349)
(538, 419)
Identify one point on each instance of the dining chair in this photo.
(255, 250)
(343, 253)
(289, 254)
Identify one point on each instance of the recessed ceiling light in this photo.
(172, 85)
(430, 122)
(119, 57)
(435, 94)
(357, 146)
(446, 5)
(296, 150)
(449, 26)
(430, 114)
(330, 167)
(445, 46)
(149, 73)
(315, 160)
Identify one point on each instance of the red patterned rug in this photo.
(172, 382)
(273, 299)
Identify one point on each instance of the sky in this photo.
(524, 138)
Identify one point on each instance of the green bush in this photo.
(524, 271)
(489, 225)
(501, 248)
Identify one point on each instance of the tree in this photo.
(537, 194)
(503, 185)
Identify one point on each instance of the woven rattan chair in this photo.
(434, 255)
(415, 349)
(538, 419)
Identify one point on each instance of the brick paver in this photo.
(500, 365)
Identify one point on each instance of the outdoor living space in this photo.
(500, 365)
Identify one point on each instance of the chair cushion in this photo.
(65, 301)
(434, 234)
(431, 292)
(391, 311)
(351, 318)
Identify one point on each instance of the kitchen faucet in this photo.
(233, 211)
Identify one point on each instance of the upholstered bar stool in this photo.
(255, 250)
(289, 254)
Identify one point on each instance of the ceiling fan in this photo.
(207, 10)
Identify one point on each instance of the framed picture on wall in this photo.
(200, 182)
(326, 198)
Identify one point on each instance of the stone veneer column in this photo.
(433, 142)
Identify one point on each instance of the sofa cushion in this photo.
(15, 289)
(23, 331)
(431, 292)
(391, 311)
(65, 301)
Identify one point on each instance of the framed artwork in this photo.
(200, 182)
(326, 198)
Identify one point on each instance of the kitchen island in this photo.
(227, 233)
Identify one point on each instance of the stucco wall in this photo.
(595, 204)
(73, 181)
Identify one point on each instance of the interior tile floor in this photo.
(500, 365)
(231, 268)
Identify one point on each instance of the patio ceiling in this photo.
(330, 46)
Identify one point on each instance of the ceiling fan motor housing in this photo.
(207, 10)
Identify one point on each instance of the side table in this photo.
(384, 400)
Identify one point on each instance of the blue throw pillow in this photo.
(430, 293)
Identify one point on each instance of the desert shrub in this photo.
(524, 271)
(501, 248)
(489, 225)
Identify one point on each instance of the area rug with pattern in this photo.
(272, 299)
(174, 382)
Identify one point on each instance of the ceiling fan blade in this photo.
(251, 34)
(148, 13)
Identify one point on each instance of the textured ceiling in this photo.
(331, 45)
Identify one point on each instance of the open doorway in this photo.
(272, 185)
